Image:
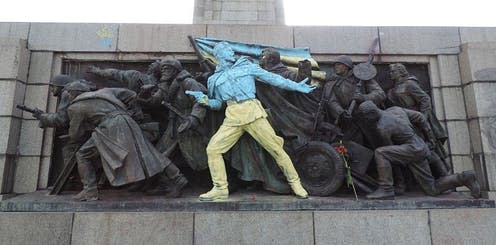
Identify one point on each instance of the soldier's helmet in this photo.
(173, 63)
(60, 80)
(345, 60)
(80, 86)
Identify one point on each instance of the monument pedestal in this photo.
(246, 218)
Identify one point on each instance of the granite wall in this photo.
(472, 226)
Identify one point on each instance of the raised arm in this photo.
(278, 81)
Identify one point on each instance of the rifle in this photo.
(174, 109)
(64, 175)
(181, 115)
(205, 64)
(35, 111)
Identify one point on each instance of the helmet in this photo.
(173, 63)
(80, 86)
(60, 80)
(345, 60)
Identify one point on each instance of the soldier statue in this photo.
(407, 93)
(341, 90)
(185, 119)
(126, 155)
(400, 145)
(233, 83)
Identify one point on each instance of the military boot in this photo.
(466, 178)
(385, 179)
(382, 193)
(215, 194)
(88, 178)
(469, 180)
(298, 190)
(87, 194)
(176, 189)
(219, 179)
(289, 171)
(170, 180)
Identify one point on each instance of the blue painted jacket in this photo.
(237, 82)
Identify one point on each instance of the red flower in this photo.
(341, 149)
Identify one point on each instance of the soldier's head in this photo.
(76, 88)
(58, 82)
(154, 69)
(343, 64)
(369, 112)
(269, 58)
(397, 71)
(223, 52)
(169, 69)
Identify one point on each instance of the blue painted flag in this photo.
(289, 56)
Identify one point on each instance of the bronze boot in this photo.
(469, 180)
(385, 179)
(466, 178)
(382, 193)
(87, 194)
(219, 178)
(176, 189)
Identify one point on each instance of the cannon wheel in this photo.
(321, 169)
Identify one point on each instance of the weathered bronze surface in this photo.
(152, 123)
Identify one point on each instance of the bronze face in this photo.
(340, 68)
(168, 73)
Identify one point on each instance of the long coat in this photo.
(125, 154)
(407, 93)
(193, 142)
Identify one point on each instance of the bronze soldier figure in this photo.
(126, 155)
(342, 89)
(60, 118)
(184, 127)
(270, 60)
(402, 146)
(407, 93)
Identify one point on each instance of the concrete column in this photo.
(260, 12)
(14, 64)
(478, 75)
(35, 144)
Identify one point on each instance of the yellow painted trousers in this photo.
(250, 117)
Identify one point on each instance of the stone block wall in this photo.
(478, 73)
(460, 63)
(261, 12)
(14, 63)
(472, 226)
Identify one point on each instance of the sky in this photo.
(297, 12)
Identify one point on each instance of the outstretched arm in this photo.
(201, 98)
(278, 81)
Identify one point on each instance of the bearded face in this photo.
(168, 73)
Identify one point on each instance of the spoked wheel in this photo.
(320, 168)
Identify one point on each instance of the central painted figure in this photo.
(234, 83)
